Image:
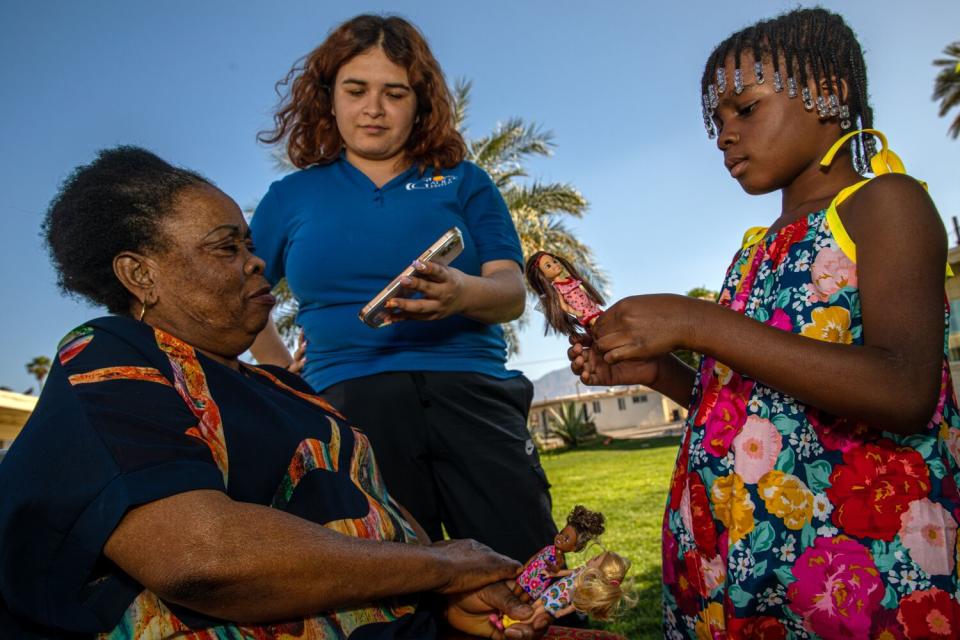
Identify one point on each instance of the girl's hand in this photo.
(643, 328)
(592, 369)
(442, 288)
(472, 612)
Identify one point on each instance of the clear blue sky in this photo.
(617, 82)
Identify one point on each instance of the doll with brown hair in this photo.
(570, 303)
(583, 525)
(595, 589)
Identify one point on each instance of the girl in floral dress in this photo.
(815, 491)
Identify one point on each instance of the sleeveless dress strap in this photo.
(886, 161)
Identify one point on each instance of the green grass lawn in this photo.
(627, 480)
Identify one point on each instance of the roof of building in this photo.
(15, 408)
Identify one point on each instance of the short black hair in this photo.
(813, 43)
(114, 204)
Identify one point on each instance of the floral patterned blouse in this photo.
(786, 522)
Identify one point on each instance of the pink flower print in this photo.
(726, 418)
(953, 443)
(929, 532)
(780, 320)
(838, 588)
(756, 448)
(832, 271)
(714, 572)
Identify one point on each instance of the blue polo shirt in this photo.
(338, 239)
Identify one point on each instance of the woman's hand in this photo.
(495, 296)
(470, 613)
(442, 289)
(469, 565)
(300, 355)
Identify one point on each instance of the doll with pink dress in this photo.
(570, 303)
(583, 525)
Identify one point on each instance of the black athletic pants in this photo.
(454, 450)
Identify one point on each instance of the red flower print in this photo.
(785, 239)
(886, 626)
(838, 434)
(759, 628)
(874, 486)
(704, 531)
(929, 614)
(679, 480)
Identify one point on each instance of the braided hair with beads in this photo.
(809, 44)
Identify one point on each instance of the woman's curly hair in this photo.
(304, 118)
(589, 525)
(116, 203)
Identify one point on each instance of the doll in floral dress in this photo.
(571, 304)
(582, 526)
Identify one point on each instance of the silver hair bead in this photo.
(822, 111)
(714, 97)
(834, 105)
(777, 82)
(737, 81)
(791, 87)
(758, 71)
(721, 81)
(807, 99)
(844, 113)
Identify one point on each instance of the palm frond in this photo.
(461, 102)
(946, 86)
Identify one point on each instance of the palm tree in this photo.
(946, 89)
(39, 367)
(539, 210)
(570, 423)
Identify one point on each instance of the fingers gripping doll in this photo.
(568, 300)
(595, 588)
(582, 526)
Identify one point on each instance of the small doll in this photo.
(568, 300)
(595, 589)
(582, 526)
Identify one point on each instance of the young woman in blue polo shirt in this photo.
(369, 120)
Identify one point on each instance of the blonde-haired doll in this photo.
(595, 589)
(567, 299)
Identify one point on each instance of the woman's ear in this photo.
(137, 274)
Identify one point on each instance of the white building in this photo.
(617, 411)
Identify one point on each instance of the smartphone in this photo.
(443, 251)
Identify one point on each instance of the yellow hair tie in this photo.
(885, 161)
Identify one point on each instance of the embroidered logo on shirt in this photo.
(433, 182)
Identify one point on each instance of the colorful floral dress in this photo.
(536, 575)
(573, 293)
(785, 522)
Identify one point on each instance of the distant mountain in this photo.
(560, 383)
(557, 383)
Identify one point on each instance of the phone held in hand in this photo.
(443, 251)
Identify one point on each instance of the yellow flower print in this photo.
(787, 497)
(710, 622)
(830, 324)
(733, 506)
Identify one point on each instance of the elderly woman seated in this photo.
(164, 489)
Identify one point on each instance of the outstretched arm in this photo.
(891, 382)
(233, 560)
